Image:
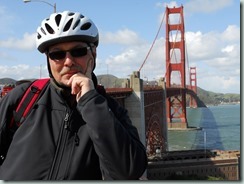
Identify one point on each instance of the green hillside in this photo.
(211, 98)
(7, 81)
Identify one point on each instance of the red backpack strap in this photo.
(28, 100)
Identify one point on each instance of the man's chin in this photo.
(64, 85)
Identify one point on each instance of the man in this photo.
(73, 132)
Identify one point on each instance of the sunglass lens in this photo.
(78, 52)
(57, 55)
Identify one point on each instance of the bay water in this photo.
(220, 125)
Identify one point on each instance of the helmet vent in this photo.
(49, 29)
(71, 14)
(43, 31)
(67, 26)
(39, 36)
(85, 26)
(57, 19)
(76, 24)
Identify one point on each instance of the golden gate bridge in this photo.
(163, 106)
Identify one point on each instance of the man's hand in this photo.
(82, 83)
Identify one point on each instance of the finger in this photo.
(71, 80)
(76, 85)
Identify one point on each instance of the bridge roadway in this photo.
(121, 93)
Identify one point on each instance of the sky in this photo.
(127, 30)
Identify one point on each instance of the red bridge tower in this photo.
(193, 83)
(176, 106)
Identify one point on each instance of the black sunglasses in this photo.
(75, 52)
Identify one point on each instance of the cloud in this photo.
(124, 37)
(212, 45)
(206, 6)
(217, 55)
(202, 46)
(127, 61)
(232, 33)
(23, 71)
(25, 43)
(220, 84)
(132, 57)
(170, 4)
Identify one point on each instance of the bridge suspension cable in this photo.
(153, 43)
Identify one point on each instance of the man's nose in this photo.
(69, 60)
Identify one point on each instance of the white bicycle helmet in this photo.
(63, 27)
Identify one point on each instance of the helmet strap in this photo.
(49, 68)
(93, 55)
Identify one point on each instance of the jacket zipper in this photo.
(60, 149)
(76, 142)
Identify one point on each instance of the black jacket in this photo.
(88, 141)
